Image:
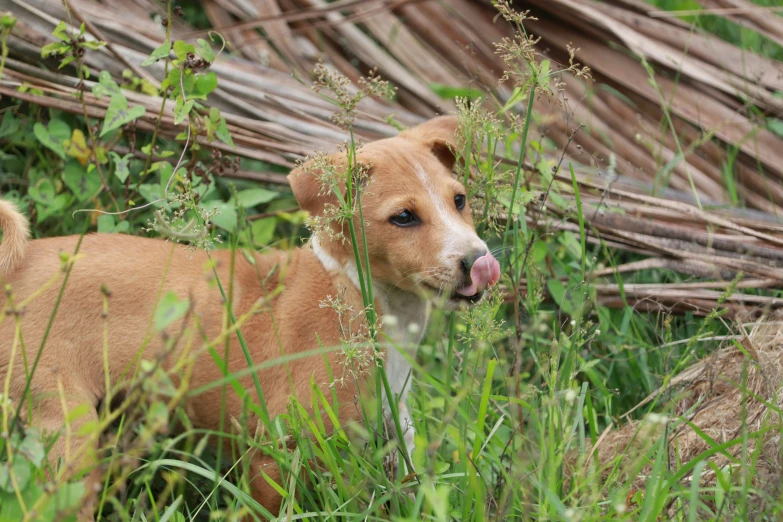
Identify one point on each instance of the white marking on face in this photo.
(460, 237)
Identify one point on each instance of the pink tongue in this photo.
(485, 272)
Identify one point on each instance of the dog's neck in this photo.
(404, 316)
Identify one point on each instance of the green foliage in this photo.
(20, 489)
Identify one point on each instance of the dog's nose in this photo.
(466, 263)
(483, 269)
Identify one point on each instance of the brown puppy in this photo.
(420, 240)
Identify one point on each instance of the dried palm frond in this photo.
(722, 411)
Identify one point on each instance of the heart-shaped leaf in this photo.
(158, 54)
(53, 136)
(181, 49)
(42, 192)
(118, 114)
(263, 230)
(181, 110)
(226, 218)
(152, 192)
(10, 124)
(105, 85)
(84, 185)
(21, 473)
(32, 447)
(252, 197)
(60, 202)
(121, 165)
(206, 83)
(169, 310)
(204, 50)
(105, 224)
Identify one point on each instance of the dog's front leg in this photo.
(398, 373)
(262, 492)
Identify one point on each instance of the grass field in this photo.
(508, 397)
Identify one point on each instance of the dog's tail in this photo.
(16, 231)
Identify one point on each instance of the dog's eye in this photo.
(404, 219)
(459, 201)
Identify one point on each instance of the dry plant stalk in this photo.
(734, 394)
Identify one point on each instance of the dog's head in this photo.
(418, 224)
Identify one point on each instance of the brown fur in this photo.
(133, 269)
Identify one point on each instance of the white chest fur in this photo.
(404, 318)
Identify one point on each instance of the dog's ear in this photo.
(308, 189)
(439, 135)
(308, 181)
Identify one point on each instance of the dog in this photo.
(420, 242)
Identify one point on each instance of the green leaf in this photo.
(5, 478)
(53, 136)
(60, 32)
(93, 45)
(776, 126)
(226, 217)
(123, 227)
(188, 83)
(78, 412)
(263, 231)
(32, 447)
(59, 506)
(59, 130)
(539, 251)
(181, 49)
(54, 48)
(105, 224)
(206, 83)
(166, 171)
(118, 113)
(252, 197)
(42, 192)
(223, 134)
(158, 413)
(181, 110)
(441, 468)
(158, 54)
(21, 473)
(516, 97)
(447, 92)
(169, 310)
(558, 292)
(151, 192)
(105, 85)
(65, 61)
(67, 498)
(82, 184)
(10, 125)
(121, 165)
(60, 202)
(204, 50)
